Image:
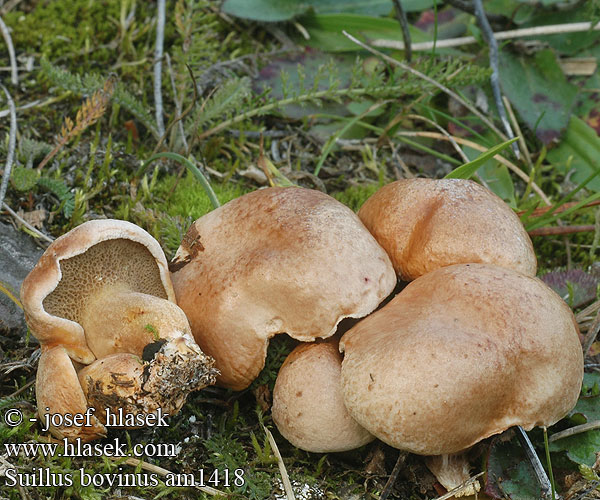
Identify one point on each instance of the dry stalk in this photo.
(91, 111)
(433, 82)
(460, 152)
(285, 479)
(584, 315)
(541, 211)
(515, 124)
(591, 335)
(14, 75)
(465, 142)
(578, 429)
(552, 29)
(158, 55)
(560, 230)
(20, 219)
(12, 144)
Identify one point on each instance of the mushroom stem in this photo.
(451, 471)
(58, 392)
(118, 320)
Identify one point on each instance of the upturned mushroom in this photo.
(275, 260)
(308, 408)
(104, 289)
(462, 353)
(424, 224)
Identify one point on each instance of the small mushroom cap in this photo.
(81, 262)
(460, 354)
(275, 260)
(424, 224)
(126, 381)
(308, 408)
(135, 320)
(57, 388)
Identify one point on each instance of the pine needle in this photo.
(5, 289)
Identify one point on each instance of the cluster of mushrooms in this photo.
(101, 303)
(473, 345)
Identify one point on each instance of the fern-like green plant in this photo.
(223, 103)
(61, 191)
(376, 86)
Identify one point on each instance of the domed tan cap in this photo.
(460, 354)
(424, 224)
(275, 260)
(58, 392)
(308, 408)
(77, 265)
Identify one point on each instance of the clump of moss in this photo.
(186, 198)
(61, 27)
(355, 196)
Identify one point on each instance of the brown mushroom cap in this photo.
(424, 224)
(135, 320)
(308, 408)
(276, 260)
(57, 389)
(80, 263)
(460, 354)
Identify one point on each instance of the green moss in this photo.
(355, 196)
(59, 27)
(188, 199)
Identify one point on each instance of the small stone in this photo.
(18, 255)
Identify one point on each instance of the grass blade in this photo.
(191, 167)
(468, 169)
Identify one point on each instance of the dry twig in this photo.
(591, 335)
(560, 230)
(12, 144)
(26, 224)
(14, 75)
(433, 82)
(401, 15)
(158, 55)
(578, 429)
(495, 77)
(393, 476)
(553, 29)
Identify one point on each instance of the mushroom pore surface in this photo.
(110, 262)
(275, 260)
(79, 264)
(462, 353)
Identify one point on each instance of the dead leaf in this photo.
(35, 218)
